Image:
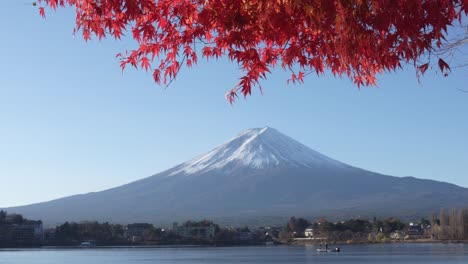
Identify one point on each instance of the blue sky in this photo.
(71, 122)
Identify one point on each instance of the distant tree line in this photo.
(12, 219)
(450, 225)
(357, 230)
(17, 231)
(106, 234)
(71, 234)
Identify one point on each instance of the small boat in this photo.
(87, 244)
(328, 250)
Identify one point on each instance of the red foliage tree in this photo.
(355, 38)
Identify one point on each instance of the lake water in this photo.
(384, 253)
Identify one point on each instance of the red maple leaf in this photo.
(145, 64)
(423, 68)
(42, 12)
(444, 67)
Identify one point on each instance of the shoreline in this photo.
(412, 241)
(295, 243)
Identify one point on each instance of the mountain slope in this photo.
(259, 173)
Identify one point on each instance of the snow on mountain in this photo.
(256, 148)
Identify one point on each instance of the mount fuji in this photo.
(259, 174)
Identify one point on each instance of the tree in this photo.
(297, 226)
(17, 219)
(355, 38)
(3, 215)
(380, 237)
(450, 226)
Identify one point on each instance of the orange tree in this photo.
(355, 38)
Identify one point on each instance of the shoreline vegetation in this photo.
(409, 241)
(446, 227)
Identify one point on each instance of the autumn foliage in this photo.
(355, 38)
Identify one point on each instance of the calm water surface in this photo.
(390, 253)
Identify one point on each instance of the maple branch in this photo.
(176, 73)
(359, 39)
(460, 66)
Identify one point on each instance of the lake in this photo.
(380, 253)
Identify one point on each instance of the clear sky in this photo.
(71, 122)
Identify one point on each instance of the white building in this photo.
(309, 232)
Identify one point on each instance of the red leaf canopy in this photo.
(355, 38)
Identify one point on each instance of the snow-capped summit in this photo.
(257, 148)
